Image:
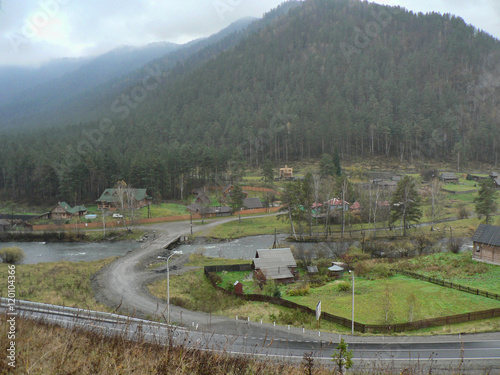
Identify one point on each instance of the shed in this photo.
(252, 203)
(238, 287)
(486, 244)
(449, 178)
(4, 225)
(335, 271)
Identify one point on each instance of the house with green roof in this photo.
(64, 211)
(111, 200)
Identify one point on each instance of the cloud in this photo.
(60, 28)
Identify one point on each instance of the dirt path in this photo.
(123, 284)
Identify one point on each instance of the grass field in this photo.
(248, 227)
(377, 301)
(61, 283)
(457, 268)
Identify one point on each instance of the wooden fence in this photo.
(119, 223)
(451, 285)
(358, 327)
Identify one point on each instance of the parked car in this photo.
(117, 215)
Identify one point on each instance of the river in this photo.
(41, 252)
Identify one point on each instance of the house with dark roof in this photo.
(252, 203)
(486, 244)
(449, 178)
(274, 264)
(214, 211)
(110, 199)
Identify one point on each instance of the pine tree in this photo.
(485, 201)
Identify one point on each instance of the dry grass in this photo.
(47, 349)
(61, 283)
(43, 348)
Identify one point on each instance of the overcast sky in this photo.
(35, 31)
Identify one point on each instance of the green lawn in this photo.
(248, 227)
(374, 297)
(458, 268)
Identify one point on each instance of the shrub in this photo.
(214, 278)
(301, 290)
(343, 286)
(11, 255)
(462, 212)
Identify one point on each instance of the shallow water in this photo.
(40, 252)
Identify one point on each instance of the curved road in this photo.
(123, 285)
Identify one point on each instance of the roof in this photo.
(497, 181)
(203, 197)
(275, 263)
(336, 202)
(335, 268)
(195, 207)
(487, 234)
(449, 176)
(252, 203)
(355, 206)
(72, 210)
(284, 256)
(228, 187)
(111, 196)
(4, 223)
(312, 269)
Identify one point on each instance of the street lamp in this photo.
(352, 318)
(168, 282)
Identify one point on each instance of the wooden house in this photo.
(286, 173)
(202, 198)
(275, 264)
(63, 211)
(449, 178)
(252, 203)
(486, 244)
(110, 200)
(336, 204)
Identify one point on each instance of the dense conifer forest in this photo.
(312, 78)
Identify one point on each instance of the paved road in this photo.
(122, 285)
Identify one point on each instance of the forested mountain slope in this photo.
(328, 74)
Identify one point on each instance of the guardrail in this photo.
(77, 313)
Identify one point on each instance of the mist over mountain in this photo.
(310, 78)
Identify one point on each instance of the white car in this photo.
(117, 215)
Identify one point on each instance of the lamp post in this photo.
(168, 282)
(352, 318)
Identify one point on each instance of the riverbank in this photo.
(72, 236)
